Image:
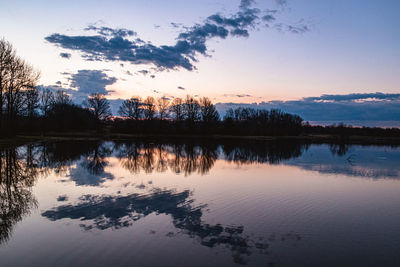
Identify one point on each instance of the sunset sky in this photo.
(232, 51)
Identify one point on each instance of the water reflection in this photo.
(88, 163)
(372, 162)
(18, 173)
(184, 158)
(103, 212)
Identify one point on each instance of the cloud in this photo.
(144, 72)
(237, 95)
(338, 108)
(65, 55)
(83, 83)
(106, 31)
(91, 81)
(352, 97)
(176, 25)
(297, 29)
(181, 88)
(121, 44)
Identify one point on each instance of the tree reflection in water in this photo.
(18, 173)
(20, 167)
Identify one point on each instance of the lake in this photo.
(199, 203)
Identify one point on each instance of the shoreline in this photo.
(317, 139)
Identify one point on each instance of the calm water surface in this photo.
(189, 203)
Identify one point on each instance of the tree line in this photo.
(26, 108)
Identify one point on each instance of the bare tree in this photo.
(16, 76)
(46, 101)
(32, 102)
(149, 108)
(208, 111)
(191, 109)
(62, 98)
(99, 106)
(7, 54)
(176, 109)
(162, 106)
(131, 108)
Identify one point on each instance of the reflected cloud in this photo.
(358, 161)
(104, 212)
(87, 163)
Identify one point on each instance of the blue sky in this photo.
(309, 48)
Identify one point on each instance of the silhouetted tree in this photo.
(249, 121)
(149, 108)
(16, 76)
(32, 102)
(46, 101)
(191, 109)
(162, 107)
(99, 106)
(131, 108)
(177, 109)
(62, 98)
(7, 54)
(208, 111)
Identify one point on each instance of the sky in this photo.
(232, 51)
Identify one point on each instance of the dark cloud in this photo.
(106, 31)
(237, 95)
(119, 45)
(268, 18)
(351, 97)
(181, 88)
(176, 25)
(83, 83)
(65, 55)
(337, 108)
(62, 198)
(144, 72)
(91, 81)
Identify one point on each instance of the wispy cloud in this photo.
(237, 95)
